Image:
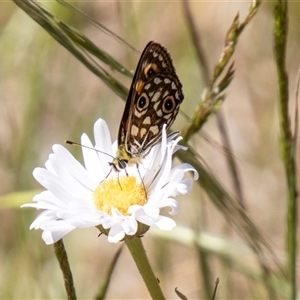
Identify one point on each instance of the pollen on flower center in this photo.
(120, 193)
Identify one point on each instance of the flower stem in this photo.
(62, 258)
(287, 140)
(138, 253)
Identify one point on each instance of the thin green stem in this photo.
(286, 138)
(62, 258)
(138, 253)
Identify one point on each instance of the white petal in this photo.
(188, 168)
(49, 166)
(184, 187)
(163, 143)
(116, 234)
(169, 202)
(42, 218)
(170, 189)
(162, 176)
(110, 221)
(53, 184)
(165, 223)
(56, 225)
(176, 174)
(102, 137)
(51, 237)
(151, 212)
(146, 220)
(130, 226)
(91, 161)
(45, 200)
(142, 217)
(73, 166)
(70, 182)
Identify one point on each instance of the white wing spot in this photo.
(139, 114)
(167, 116)
(155, 106)
(174, 86)
(156, 96)
(134, 130)
(154, 129)
(145, 63)
(167, 80)
(147, 120)
(157, 80)
(143, 131)
(147, 86)
(166, 94)
(160, 57)
(159, 112)
(155, 54)
(151, 94)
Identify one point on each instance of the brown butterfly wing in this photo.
(154, 99)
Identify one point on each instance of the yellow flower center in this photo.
(120, 193)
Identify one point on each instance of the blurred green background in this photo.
(48, 96)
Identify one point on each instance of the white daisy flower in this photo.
(119, 203)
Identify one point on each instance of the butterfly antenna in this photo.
(83, 146)
(80, 145)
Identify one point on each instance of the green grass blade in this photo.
(104, 29)
(76, 43)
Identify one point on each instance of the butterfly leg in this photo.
(137, 167)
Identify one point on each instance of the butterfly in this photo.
(153, 100)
